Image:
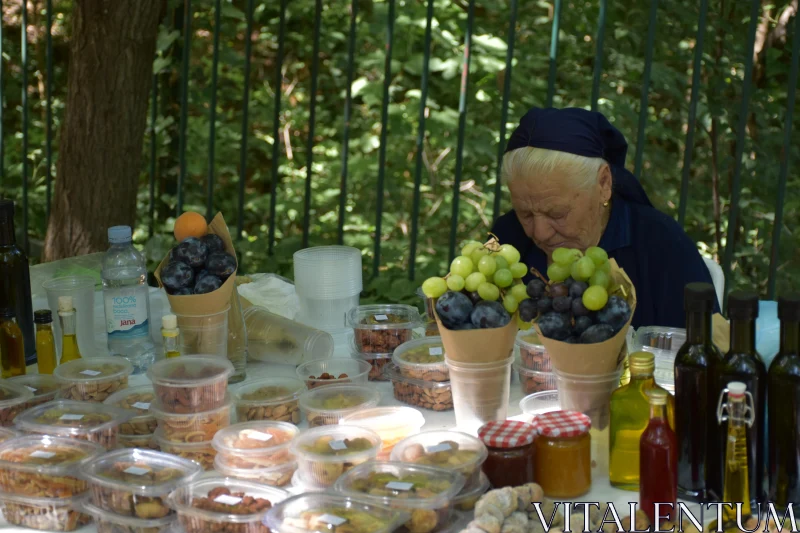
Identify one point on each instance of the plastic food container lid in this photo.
(137, 476)
(70, 417)
(133, 523)
(201, 446)
(507, 433)
(562, 424)
(473, 491)
(158, 410)
(39, 384)
(198, 370)
(276, 390)
(258, 438)
(12, 394)
(439, 440)
(430, 346)
(318, 399)
(392, 372)
(6, 433)
(140, 408)
(380, 419)
(73, 502)
(408, 476)
(387, 316)
(94, 369)
(44, 457)
(181, 498)
(338, 437)
(260, 472)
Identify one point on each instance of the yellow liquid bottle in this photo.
(170, 336)
(69, 338)
(45, 342)
(630, 414)
(12, 345)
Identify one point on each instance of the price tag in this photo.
(381, 318)
(435, 350)
(256, 435)
(41, 454)
(30, 388)
(332, 519)
(225, 499)
(337, 445)
(142, 405)
(90, 372)
(71, 417)
(136, 471)
(443, 447)
(399, 485)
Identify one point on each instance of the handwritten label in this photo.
(90, 372)
(443, 447)
(142, 405)
(71, 417)
(435, 350)
(399, 485)
(41, 454)
(225, 499)
(256, 435)
(338, 445)
(136, 471)
(30, 388)
(381, 318)
(332, 519)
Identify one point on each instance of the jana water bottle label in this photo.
(126, 314)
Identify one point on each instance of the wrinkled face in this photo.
(555, 214)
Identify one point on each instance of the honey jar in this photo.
(563, 466)
(511, 452)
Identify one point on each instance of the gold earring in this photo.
(605, 204)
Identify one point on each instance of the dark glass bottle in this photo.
(784, 408)
(15, 279)
(696, 364)
(12, 346)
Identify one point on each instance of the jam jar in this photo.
(510, 443)
(563, 453)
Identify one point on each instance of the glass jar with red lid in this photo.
(510, 443)
(563, 453)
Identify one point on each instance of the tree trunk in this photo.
(100, 154)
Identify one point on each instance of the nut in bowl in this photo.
(532, 353)
(382, 328)
(14, 399)
(269, 399)
(108, 522)
(190, 383)
(201, 453)
(47, 514)
(534, 381)
(145, 442)
(43, 386)
(192, 427)
(451, 450)
(327, 405)
(333, 371)
(324, 454)
(137, 400)
(433, 395)
(422, 359)
(94, 379)
(255, 444)
(274, 476)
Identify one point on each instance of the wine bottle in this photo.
(15, 279)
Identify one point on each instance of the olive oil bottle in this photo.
(69, 337)
(45, 342)
(170, 336)
(12, 345)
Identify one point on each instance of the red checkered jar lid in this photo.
(562, 424)
(507, 434)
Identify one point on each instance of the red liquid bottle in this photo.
(658, 462)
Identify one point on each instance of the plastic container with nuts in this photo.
(191, 383)
(534, 381)
(226, 505)
(107, 522)
(145, 442)
(94, 422)
(255, 444)
(335, 371)
(424, 492)
(327, 405)
(7, 433)
(200, 452)
(136, 483)
(275, 476)
(446, 449)
(43, 386)
(93, 379)
(324, 454)
(382, 328)
(45, 467)
(327, 512)
(392, 424)
(470, 494)
(378, 362)
(433, 395)
(192, 427)
(532, 353)
(137, 400)
(14, 399)
(47, 514)
(269, 399)
(422, 359)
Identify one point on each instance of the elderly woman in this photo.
(565, 170)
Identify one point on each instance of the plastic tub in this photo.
(300, 485)
(275, 476)
(327, 405)
(480, 392)
(422, 359)
(94, 379)
(425, 493)
(113, 523)
(315, 373)
(145, 442)
(392, 424)
(81, 289)
(470, 494)
(255, 444)
(7, 433)
(382, 328)
(201, 453)
(532, 353)
(94, 422)
(539, 403)
(205, 333)
(215, 504)
(590, 395)
(433, 395)
(272, 338)
(328, 272)
(189, 384)
(192, 427)
(446, 449)
(377, 362)
(324, 454)
(137, 400)
(43, 386)
(45, 467)
(48, 514)
(534, 381)
(269, 399)
(14, 399)
(332, 513)
(136, 483)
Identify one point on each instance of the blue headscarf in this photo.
(580, 132)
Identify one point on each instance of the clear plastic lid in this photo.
(264, 474)
(339, 399)
(68, 417)
(40, 385)
(269, 390)
(143, 472)
(217, 499)
(7, 433)
(49, 505)
(94, 369)
(130, 523)
(166, 444)
(136, 399)
(385, 419)
(420, 352)
(12, 394)
(43, 454)
(255, 438)
(443, 448)
(189, 371)
(326, 512)
(385, 316)
(335, 443)
(401, 484)
(157, 409)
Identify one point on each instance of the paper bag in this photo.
(478, 345)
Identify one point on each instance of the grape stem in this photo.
(538, 274)
(493, 244)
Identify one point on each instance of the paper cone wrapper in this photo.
(213, 302)
(479, 345)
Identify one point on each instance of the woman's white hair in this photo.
(525, 162)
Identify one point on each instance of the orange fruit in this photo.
(188, 225)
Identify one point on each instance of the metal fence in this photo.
(736, 186)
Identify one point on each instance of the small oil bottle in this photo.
(45, 342)
(170, 336)
(12, 345)
(69, 339)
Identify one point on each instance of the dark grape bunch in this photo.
(575, 307)
(198, 266)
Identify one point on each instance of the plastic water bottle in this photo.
(126, 297)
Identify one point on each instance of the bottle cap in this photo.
(7, 312)
(736, 388)
(6, 209)
(169, 322)
(42, 316)
(119, 234)
(642, 361)
(789, 307)
(658, 396)
(742, 305)
(699, 297)
(65, 304)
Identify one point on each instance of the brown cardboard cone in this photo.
(478, 345)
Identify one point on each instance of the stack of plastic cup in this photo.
(275, 339)
(480, 392)
(328, 283)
